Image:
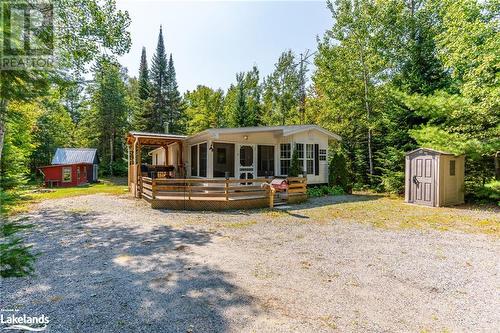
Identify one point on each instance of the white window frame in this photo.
(309, 156)
(323, 154)
(198, 159)
(65, 169)
(289, 158)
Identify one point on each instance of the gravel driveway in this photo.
(112, 264)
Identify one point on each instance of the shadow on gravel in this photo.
(99, 275)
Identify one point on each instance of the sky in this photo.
(212, 41)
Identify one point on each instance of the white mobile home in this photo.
(250, 152)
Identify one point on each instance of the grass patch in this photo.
(393, 213)
(242, 224)
(22, 200)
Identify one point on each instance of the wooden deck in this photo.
(218, 194)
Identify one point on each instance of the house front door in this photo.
(422, 178)
(247, 162)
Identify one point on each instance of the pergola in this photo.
(138, 140)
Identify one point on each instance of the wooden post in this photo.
(189, 190)
(272, 190)
(153, 188)
(139, 173)
(226, 189)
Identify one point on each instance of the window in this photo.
(194, 160)
(78, 173)
(265, 161)
(285, 156)
(300, 153)
(199, 160)
(246, 156)
(452, 168)
(66, 175)
(203, 159)
(310, 159)
(322, 154)
(223, 159)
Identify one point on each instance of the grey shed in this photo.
(434, 178)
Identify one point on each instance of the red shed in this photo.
(71, 167)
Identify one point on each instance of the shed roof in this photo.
(283, 130)
(432, 151)
(75, 155)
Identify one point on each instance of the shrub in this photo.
(320, 191)
(338, 174)
(490, 192)
(295, 167)
(15, 258)
(393, 182)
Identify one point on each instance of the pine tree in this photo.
(174, 101)
(241, 112)
(144, 84)
(159, 86)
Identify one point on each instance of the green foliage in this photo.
(295, 166)
(159, 88)
(175, 106)
(320, 191)
(106, 121)
(338, 175)
(490, 192)
(204, 109)
(281, 92)
(16, 260)
(144, 83)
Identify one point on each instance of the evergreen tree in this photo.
(159, 87)
(106, 121)
(241, 112)
(175, 108)
(144, 84)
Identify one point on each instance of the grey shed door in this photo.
(422, 180)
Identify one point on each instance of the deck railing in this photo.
(216, 189)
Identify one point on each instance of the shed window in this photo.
(300, 153)
(78, 173)
(452, 168)
(66, 175)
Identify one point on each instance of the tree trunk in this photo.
(368, 112)
(111, 155)
(497, 165)
(3, 117)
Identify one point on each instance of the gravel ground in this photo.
(112, 264)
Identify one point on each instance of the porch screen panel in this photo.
(194, 160)
(265, 161)
(203, 160)
(223, 159)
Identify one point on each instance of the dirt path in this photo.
(110, 264)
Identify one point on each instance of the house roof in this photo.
(284, 130)
(159, 135)
(74, 155)
(432, 151)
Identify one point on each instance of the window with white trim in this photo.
(310, 159)
(322, 155)
(199, 160)
(66, 175)
(285, 157)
